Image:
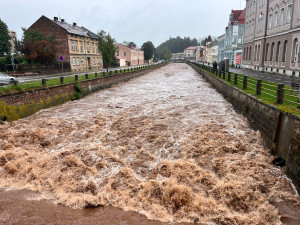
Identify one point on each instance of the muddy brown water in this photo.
(161, 148)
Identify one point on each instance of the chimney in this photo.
(74, 24)
(62, 20)
(55, 18)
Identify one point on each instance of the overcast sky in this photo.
(128, 20)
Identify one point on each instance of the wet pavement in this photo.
(164, 147)
(272, 77)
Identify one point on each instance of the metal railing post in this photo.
(258, 87)
(280, 94)
(235, 79)
(229, 77)
(245, 82)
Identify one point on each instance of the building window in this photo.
(81, 48)
(298, 10)
(270, 21)
(255, 52)
(77, 61)
(284, 51)
(267, 52)
(72, 45)
(74, 61)
(124, 53)
(250, 50)
(258, 53)
(276, 19)
(82, 61)
(281, 16)
(118, 54)
(76, 46)
(295, 50)
(289, 14)
(278, 52)
(88, 47)
(244, 54)
(93, 48)
(272, 52)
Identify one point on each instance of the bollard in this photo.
(76, 77)
(86, 76)
(224, 75)
(44, 82)
(15, 83)
(280, 93)
(229, 77)
(96, 75)
(258, 87)
(62, 79)
(235, 79)
(245, 82)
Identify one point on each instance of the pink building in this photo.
(129, 56)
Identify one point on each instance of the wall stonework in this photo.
(280, 130)
(20, 105)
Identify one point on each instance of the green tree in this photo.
(107, 48)
(167, 54)
(37, 48)
(132, 44)
(149, 50)
(5, 45)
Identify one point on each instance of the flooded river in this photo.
(165, 146)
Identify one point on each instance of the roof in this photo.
(192, 48)
(70, 28)
(238, 15)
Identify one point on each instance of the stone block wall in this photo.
(20, 105)
(280, 130)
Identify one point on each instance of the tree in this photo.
(149, 50)
(37, 48)
(132, 44)
(175, 45)
(5, 45)
(167, 54)
(107, 48)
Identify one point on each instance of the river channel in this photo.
(164, 147)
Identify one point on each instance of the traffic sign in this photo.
(61, 58)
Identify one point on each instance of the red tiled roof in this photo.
(241, 18)
(238, 15)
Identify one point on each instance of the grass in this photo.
(34, 85)
(269, 92)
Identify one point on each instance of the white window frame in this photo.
(78, 61)
(74, 61)
(276, 19)
(281, 19)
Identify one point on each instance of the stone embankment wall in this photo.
(280, 130)
(20, 105)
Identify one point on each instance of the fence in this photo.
(275, 93)
(36, 83)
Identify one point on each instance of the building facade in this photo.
(77, 45)
(190, 53)
(272, 37)
(233, 38)
(212, 52)
(221, 47)
(129, 56)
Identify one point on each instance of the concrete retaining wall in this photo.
(280, 130)
(20, 105)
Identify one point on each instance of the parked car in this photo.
(5, 79)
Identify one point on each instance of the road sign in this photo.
(61, 58)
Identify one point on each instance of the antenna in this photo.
(58, 16)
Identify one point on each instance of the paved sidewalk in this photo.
(272, 77)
